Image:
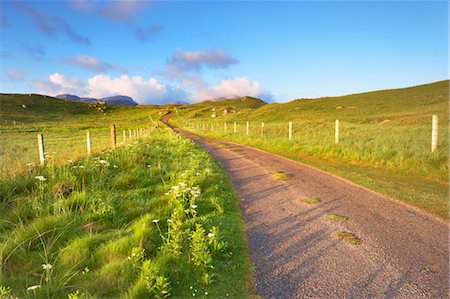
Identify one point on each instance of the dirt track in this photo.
(295, 250)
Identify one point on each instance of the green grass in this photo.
(64, 125)
(336, 217)
(279, 175)
(151, 218)
(311, 200)
(384, 138)
(349, 237)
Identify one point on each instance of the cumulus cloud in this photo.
(230, 88)
(57, 84)
(51, 25)
(15, 74)
(92, 63)
(143, 91)
(195, 61)
(148, 33)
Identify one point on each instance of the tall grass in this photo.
(156, 218)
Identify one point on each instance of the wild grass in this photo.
(279, 175)
(349, 237)
(384, 138)
(311, 200)
(155, 218)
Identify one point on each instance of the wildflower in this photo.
(169, 220)
(155, 220)
(35, 287)
(30, 164)
(115, 166)
(41, 178)
(47, 266)
(103, 162)
(148, 165)
(206, 293)
(81, 166)
(70, 161)
(194, 206)
(210, 235)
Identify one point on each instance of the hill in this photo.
(213, 109)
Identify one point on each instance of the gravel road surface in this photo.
(403, 253)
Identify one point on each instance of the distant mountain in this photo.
(114, 100)
(67, 96)
(120, 101)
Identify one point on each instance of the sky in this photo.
(166, 51)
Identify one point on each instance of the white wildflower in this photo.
(35, 287)
(155, 220)
(41, 178)
(194, 206)
(169, 220)
(115, 166)
(210, 235)
(103, 162)
(47, 266)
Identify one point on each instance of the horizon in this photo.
(53, 48)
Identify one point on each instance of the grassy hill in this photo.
(384, 139)
(223, 107)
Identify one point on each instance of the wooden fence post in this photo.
(225, 127)
(290, 130)
(88, 143)
(41, 146)
(212, 127)
(124, 136)
(234, 127)
(113, 135)
(336, 132)
(434, 133)
(247, 128)
(130, 136)
(262, 129)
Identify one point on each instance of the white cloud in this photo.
(143, 91)
(230, 88)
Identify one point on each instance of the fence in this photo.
(20, 150)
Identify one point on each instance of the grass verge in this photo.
(156, 218)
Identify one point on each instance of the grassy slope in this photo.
(384, 144)
(64, 124)
(92, 220)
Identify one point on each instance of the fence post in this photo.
(225, 127)
(212, 127)
(234, 127)
(336, 132)
(41, 146)
(247, 128)
(130, 136)
(124, 136)
(434, 133)
(113, 135)
(262, 129)
(290, 130)
(88, 143)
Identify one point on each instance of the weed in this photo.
(349, 237)
(279, 175)
(312, 200)
(336, 217)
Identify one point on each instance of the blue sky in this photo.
(163, 51)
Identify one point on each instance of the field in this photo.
(64, 125)
(384, 143)
(156, 217)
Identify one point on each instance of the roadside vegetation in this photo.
(151, 219)
(384, 143)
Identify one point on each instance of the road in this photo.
(294, 247)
